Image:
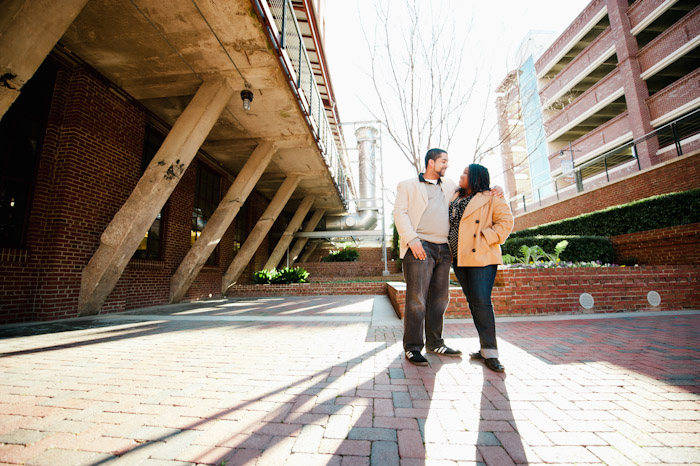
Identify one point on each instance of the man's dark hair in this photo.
(433, 154)
(479, 179)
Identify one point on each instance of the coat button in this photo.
(473, 250)
(474, 236)
(477, 221)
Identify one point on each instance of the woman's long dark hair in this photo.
(478, 180)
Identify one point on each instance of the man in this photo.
(422, 221)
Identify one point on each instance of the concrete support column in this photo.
(636, 90)
(288, 234)
(29, 29)
(128, 227)
(259, 231)
(220, 220)
(310, 250)
(301, 242)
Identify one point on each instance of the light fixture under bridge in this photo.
(247, 98)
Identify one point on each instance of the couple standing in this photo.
(442, 224)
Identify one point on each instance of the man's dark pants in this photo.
(427, 295)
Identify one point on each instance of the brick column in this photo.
(636, 91)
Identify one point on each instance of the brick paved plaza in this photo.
(322, 381)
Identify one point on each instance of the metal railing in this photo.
(293, 50)
(613, 164)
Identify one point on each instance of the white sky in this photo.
(497, 29)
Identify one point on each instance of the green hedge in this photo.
(579, 249)
(347, 254)
(665, 210)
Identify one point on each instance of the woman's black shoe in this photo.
(494, 364)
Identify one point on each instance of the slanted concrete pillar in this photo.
(301, 242)
(220, 220)
(259, 231)
(288, 234)
(29, 29)
(309, 250)
(126, 230)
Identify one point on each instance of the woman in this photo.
(479, 224)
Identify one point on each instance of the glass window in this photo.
(21, 133)
(152, 243)
(206, 198)
(240, 227)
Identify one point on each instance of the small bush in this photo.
(291, 275)
(282, 276)
(263, 277)
(578, 249)
(347, 254)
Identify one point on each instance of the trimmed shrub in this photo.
(579, 249)
(282, 276)
(347, 254)
(662, 211)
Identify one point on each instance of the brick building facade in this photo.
(609, 87)
(89, 161)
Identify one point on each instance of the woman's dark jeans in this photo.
(477, 283)
(427, 295)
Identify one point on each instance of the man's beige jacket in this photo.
(411, 202)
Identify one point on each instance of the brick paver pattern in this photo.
(168, 390)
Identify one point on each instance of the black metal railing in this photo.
(620, 161)
(294, 52)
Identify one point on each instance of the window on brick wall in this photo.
(240, 227)
(21, 133)
(206, 198)
(152, 243)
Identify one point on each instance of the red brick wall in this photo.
(366, 254)
(679, 174)
(674, 245)
(90, 163)
(309, 289)
(327, 270)
(557, 291)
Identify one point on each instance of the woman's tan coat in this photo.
(485, 225)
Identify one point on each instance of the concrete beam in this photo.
(128, 227)
(312, 247)
(301, 242)
(220, 220)
(288, 234)
(29, 29)
(256, 236)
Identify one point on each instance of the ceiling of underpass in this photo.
(160, 51)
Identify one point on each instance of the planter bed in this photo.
(560, 290)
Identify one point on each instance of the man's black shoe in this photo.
(476, 355)
(414, 357)
(446, 351)
(494, 364)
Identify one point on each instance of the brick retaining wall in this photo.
(307, 289)
(673, 245)
(347, 269)
(557, 291)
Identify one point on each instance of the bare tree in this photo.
(420, 89)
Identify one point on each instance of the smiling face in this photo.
(464, 180)
(438, 166)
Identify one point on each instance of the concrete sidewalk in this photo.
(322, 381)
